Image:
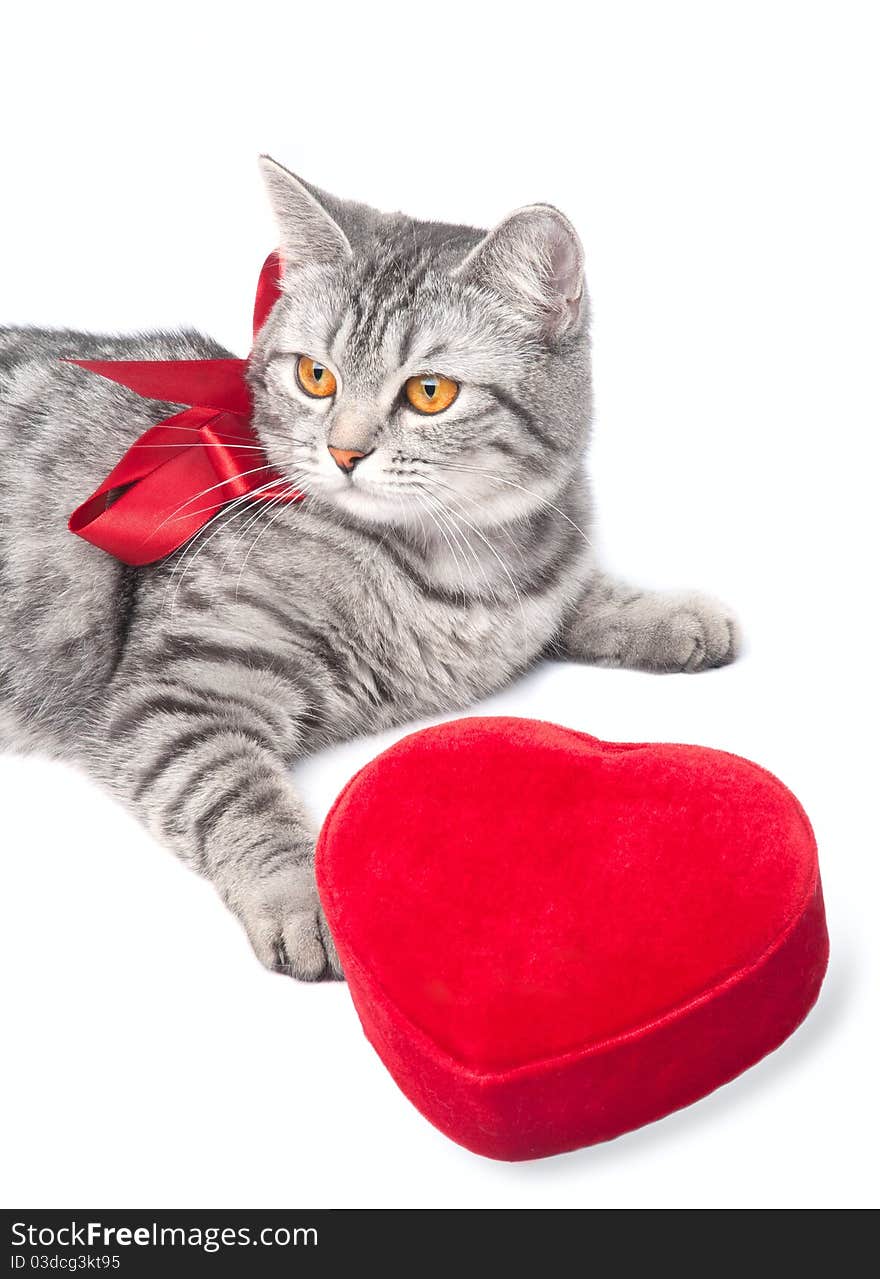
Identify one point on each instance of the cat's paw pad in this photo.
(284, 921)
(696, 634)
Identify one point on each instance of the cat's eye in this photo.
(314, 378)
(430, 393)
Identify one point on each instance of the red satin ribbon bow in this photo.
(183, 470)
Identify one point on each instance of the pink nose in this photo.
(345, 459)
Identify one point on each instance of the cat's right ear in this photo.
(308, 233)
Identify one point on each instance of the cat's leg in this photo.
(199, 750)
(617, 625)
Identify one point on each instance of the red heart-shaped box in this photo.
(551, 939)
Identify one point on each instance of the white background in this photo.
(720, 163)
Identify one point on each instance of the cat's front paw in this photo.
(689, 633)
(283, 919)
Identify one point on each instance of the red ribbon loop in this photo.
(183, 470)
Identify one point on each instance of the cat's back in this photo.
(62, 429)
(64, 605)
(54, 412)
(40, 349)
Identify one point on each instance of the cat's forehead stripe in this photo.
(383, 290)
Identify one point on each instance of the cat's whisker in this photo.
(401, 496)
(428, 502)
(497, 479)
(234, 440)
(462, 539)
(543, 612)
(238, 506)
(504, 567)
(457, 521)
(295, 474)
(189, 552)
(244, 503)
(424, 503)
(235, 507)
(280, 500)
(294, 480)
(253, 493)
(199, 444)
(461, 497)
(252, 517)
(175, 514)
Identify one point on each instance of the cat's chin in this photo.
(373, 504)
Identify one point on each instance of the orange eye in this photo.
(430, 393)
(314, 378)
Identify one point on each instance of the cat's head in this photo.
(412, 370)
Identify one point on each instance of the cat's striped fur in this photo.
(448, 562)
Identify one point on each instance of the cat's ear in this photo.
(309, 234)
(534, 260)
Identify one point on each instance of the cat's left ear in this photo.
(534, 260)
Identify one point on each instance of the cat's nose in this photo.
(346, 459)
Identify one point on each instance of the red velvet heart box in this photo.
(551, 939)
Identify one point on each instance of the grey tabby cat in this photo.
(428, 387)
